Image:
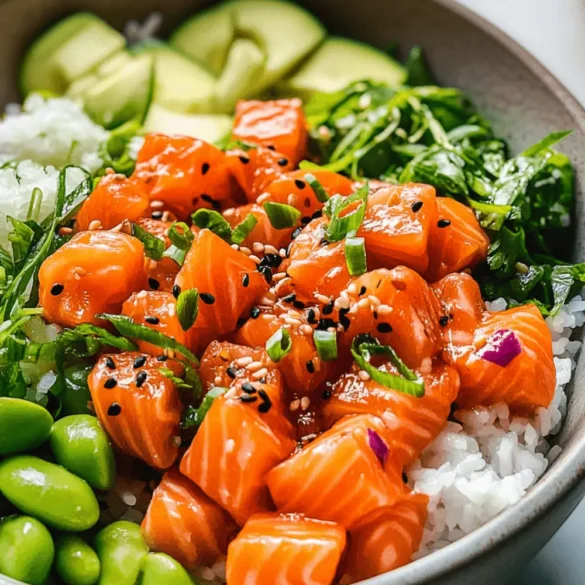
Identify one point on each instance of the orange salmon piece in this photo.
(114, 199)
(457, 240)
(138, 406)
(412, 423)
(399, 310)
(157, 310)
(273, 549)
(279, 124)
(94, 272)
(338, 477)
(527, 381)
(185, 174)
(387, 539)
(263, 231)
(397, 226)
(240, 440)
(316, 266)
(228, 282)
(184, 523)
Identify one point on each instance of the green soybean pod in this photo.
(81, 445)
(75, 394)
(26, 549)
(49, 492)
(121, 550)
(159, 568)
(24, 425)
(75, 561)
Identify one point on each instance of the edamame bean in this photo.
(75, 561)
(121, 550)
(24, 425)
(76, 395)
(48, 492)
(81, 445)
(159, 569)
(26, 549)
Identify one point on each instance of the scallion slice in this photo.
(318, 189)
(326, 344)
(214, 221)
(355, 256)
(243, 229)
(346, 214)
(279, 344)
(408, 382)
(188, 308)
(282, 216)
(153, 247)
(193, 417)
(181, 242)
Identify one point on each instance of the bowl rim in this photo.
(568, 470)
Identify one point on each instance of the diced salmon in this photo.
(114, 200)
(236, 445)
(157, 310)
(228, 282)
(397, 226)
(338, 477)
(274, 549)
(138, 406)
(184, 523)
(413, 423)
(185, 174)
(279, 124)
(94, 272)
(457, 241)
(387, 539)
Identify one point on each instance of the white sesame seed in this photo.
(363, 303)
(305, 401)
(263, 198)
(279, 276)
(270, 249)
(291, 199)
(267, 301)
(96, 224)
(322, 298)
(374, 300)
(342, 303)
(384, 310)
(294, 405)
(282, 253)
(165, 216)
(363, 376)
(291, 321)
(253, 366)
(245, 250)
(217, 380)
(254, 258)
(177, 441)
(258, 248)
(352, 289)
(306, 329)
(65, 231)
(157, 204)
(244, 361)
(294, 314)
(235, 246)
(260, 374)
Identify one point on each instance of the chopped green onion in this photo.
(347, 224)
(86, 340)
(281, 216)
(214, 221)
(326, 344)
(34, 206)
(128, 328)
(243, 229)
(408, 382)
(279, 344)
(188, 308)
(153, 247)
(193, 417)
(307, 165)
(355, 256)
(318, 189)
(181, 242)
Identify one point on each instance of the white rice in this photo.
(487, 461)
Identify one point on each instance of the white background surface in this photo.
(553, 31)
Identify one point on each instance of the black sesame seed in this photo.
(266, 273)
(176, 290)
(289, 298)
(255, 313)
(204, 168)
(323, 242)
(248, 398)
(207, 298)
(110, 363)
(141, 378)
(231, 372)
(375, 313)
(311, 318)
(405, 478)
(307, 203)
(271, 147)
(245, 280)
(110, 383)
(363, 290)
(343, 318)
(244, 159)
(272, 260)
(114, 409)
(152, 320)
(249, 388)
(300, 184)
(282, 162)
(264, 407)
(310, 367)
(209, 199)
(326, 395)
(57, 289)
(384, 328)
(443, 320)
(443, 223)
(263, 395)
(305, 220)
(296, 233)
(262, 380)
(317, 214)
(417, 206)
(325, 323)
(162, 358)
(156, 215)
(240, 322)
(328, 308)
(298, 305)
(139, 361)
(153, 283)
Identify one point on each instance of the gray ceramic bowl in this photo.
(525, 103)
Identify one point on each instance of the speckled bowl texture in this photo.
(524, 102)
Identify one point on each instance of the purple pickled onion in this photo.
(501, 348)
(378, 446)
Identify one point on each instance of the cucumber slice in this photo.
(123, 95)
(208, 127)
(66, 51)
(207, 36)
(337, 63)
(181, 84)
(285, 32)
(244, 65)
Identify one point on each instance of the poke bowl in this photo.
(289, 293)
